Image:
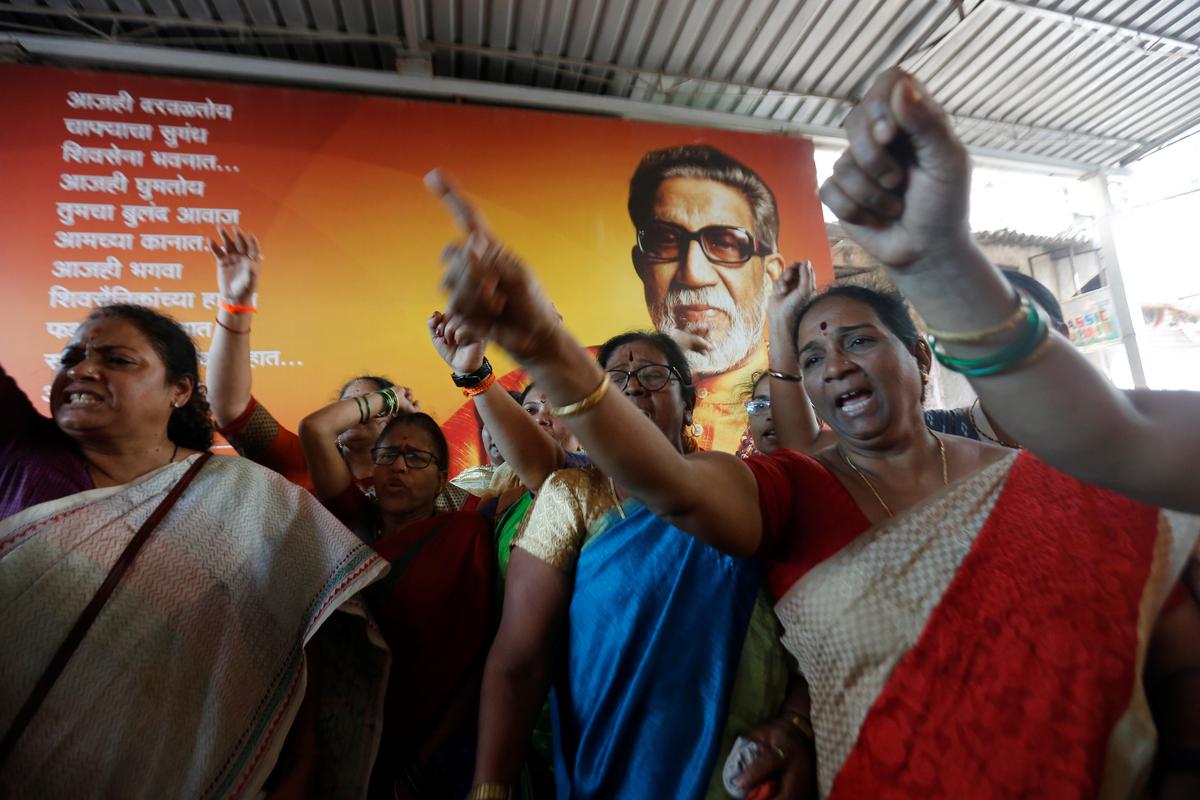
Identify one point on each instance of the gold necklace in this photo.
(979, 428)
(887, 509)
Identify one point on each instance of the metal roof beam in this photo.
(1180, 132)
(218, 65)
(1014, 131)
(1190, 49)
(410, 26)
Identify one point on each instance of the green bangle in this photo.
(389, 402)
(364, 409)
(1006, 359)
(1029, 322)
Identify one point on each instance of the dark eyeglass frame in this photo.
(757, 247)
(620, 377)
(758, 405)
(386, 456)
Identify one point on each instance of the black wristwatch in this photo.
(473, 379)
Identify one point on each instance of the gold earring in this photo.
(690, 445)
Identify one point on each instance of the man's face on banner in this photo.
(721, 304)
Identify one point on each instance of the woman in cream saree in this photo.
(190, 678)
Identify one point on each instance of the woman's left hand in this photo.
(460, 354)
(239, 261)
(787, 758)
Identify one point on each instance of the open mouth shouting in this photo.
(856, 402)
(75, 397)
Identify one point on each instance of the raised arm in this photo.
(319, 431)
(901, 190)
(494, 297)
(228, 372)
(796, 425)
(528, 449)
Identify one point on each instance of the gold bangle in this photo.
(489, 791)
(1014, 319)
(801, 724)
(584, 405)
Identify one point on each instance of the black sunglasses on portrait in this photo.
(722, 244)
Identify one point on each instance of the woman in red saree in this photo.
(971, 622)
(435, 608)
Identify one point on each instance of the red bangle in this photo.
(236, 309)
(481, 387)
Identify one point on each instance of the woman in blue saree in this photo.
(659, 649)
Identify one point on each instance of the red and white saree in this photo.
(987, 643)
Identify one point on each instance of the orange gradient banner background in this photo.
(331, 184)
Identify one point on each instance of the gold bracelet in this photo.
(584, 405)
(801, 724)
(489, 791)
(1014, 319)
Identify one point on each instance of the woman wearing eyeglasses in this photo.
(436, 606)
(789, 421)
(760, 427)
(657, 647)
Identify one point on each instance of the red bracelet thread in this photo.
(231, 330)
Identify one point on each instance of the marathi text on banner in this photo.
(77, 240)
(186, 108)
(116, 183)
(69, 212)
(121, 102)
(62, 297)
(107, 270)
(179, 186)
(168, 271)
(117, 130)
(111, 155)
(188, 133)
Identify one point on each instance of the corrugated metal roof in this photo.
(1092, 82)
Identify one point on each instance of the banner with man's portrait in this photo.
(115, 181)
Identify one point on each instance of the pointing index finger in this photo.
(465, 214)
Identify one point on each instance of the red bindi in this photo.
(824, 325)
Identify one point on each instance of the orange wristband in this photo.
(481, 388)
(236, 309)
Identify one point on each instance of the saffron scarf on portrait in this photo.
(187, 683)
(988, 643)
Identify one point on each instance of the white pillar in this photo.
(1116, 282)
